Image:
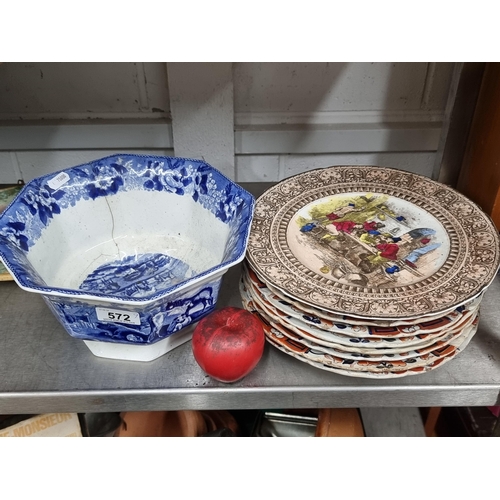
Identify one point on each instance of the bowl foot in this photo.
(147, 352)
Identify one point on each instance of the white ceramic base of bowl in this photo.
(147, 352)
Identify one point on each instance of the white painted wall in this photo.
(327, 87)
(293, 117)
(202, 112)
(34, 91)
(281, 118)
(270, 168)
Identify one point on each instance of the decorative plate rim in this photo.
(398, 339)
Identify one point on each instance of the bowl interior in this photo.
(116, 243)
(161, 225)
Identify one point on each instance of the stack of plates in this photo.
(368, 271)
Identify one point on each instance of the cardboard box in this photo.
(47, 425)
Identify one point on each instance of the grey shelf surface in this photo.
(43, 369)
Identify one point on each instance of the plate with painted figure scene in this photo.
(373, 243)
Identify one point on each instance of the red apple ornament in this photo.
(228, 343)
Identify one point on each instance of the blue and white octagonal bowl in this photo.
(127, 250)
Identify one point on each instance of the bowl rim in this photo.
(200, 278)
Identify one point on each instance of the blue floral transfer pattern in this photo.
(15, 231)
(103, 179)
(43, 204)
